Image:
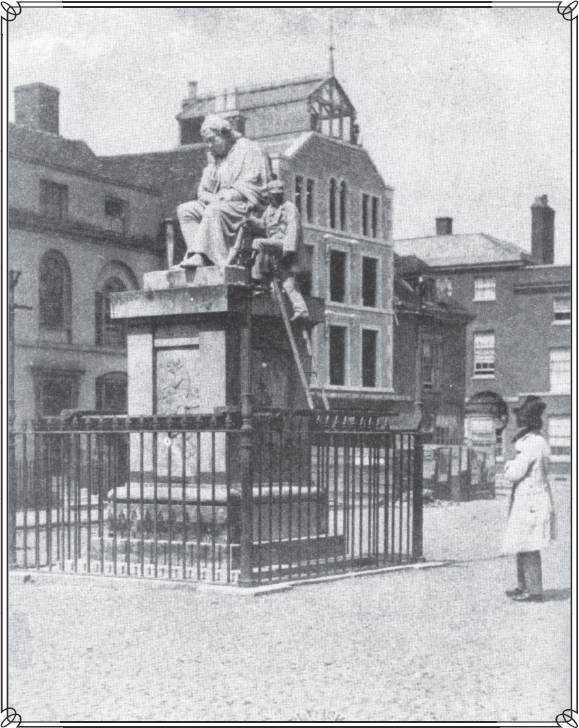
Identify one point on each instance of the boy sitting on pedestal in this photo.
(282, 251)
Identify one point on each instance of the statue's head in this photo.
(218, 134)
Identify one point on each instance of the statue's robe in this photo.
(244, 169)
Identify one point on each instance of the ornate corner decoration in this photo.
(9, 716)
(10, 12)
(568, 717)
(569, 9)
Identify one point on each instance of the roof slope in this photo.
(175, 173)
(406, 271)
(351, 154)
(458, 250)
(51, 149)
(252, 96)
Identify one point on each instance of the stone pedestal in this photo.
(184, 349)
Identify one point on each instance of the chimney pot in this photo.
(542, 230)
(444, 225)
(36, 106)
(193, 89)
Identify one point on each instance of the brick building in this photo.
(519, 342)
(429, 350)
(76, 234)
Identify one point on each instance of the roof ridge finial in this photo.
(331, 48)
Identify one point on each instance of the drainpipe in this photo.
(420, 336)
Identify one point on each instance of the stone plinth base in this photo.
(306, 549)
(278, 512)
(185, 277)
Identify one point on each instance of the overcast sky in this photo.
(465, 111)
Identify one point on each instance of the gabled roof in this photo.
(174, 173)
(291, 146)
(406, 270)
(51, 149)
(249, 97)
(444, 251)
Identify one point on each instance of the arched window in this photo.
(333, 203)
(343, 203)
(109, 332)
(55, 294)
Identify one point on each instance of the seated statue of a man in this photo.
(281, 253)
(232, 186)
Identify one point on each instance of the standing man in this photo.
(232, 185)
(531, 523)
(282, 248)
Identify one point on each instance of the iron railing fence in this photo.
(162, 496)
(333, 492)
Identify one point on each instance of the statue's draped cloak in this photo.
(245, 169)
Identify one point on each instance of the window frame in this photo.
(310, 199)
(116, 378)
(338, 251)
(343, 205)
(481, 288)
(376, 281)
(345, 330)
(444, 287)
(122, 217)
(433, 383)
(332, 204)
(375, 217)
(565, 388)
(376, 331)
(103, 323)
(365, 218)
(46, 278)
(68, 379)
(561, 457)
(566, 320)
(484, 372)
(48, 186)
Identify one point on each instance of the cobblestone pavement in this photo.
(432, 644)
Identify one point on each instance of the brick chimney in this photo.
(193, 89)
(36, 106)
(542, 230)
(444, 225)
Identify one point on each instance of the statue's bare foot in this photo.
(192, 261)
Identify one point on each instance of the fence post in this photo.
(246, 541)
(417, 502)
(455, 483)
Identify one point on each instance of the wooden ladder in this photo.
(294, 347)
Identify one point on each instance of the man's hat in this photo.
(531, 409)
(275, 185)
